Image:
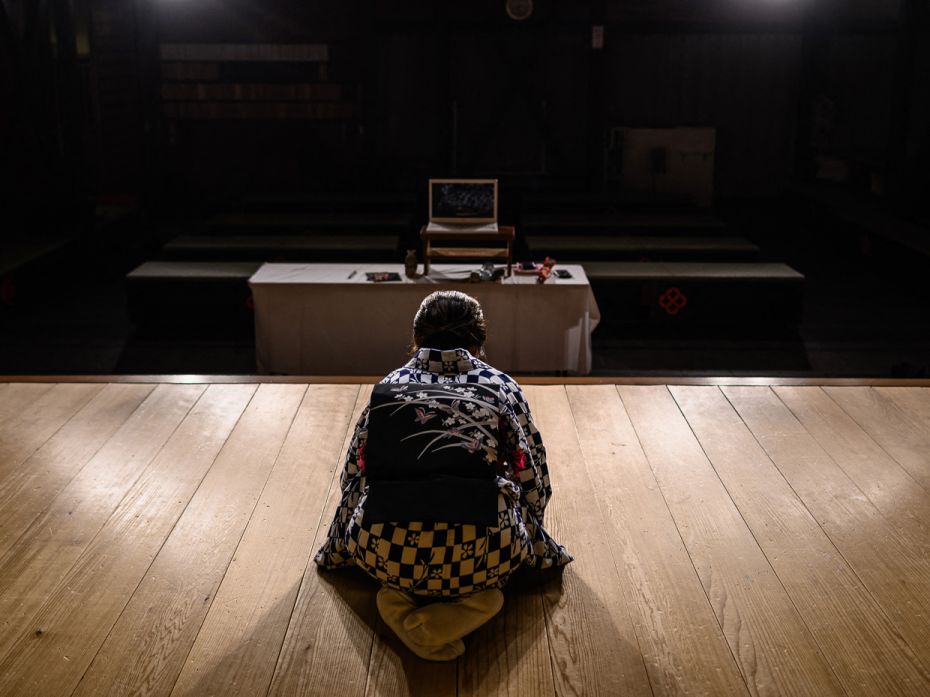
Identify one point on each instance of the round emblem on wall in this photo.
(519, 9)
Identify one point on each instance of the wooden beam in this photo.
(522, 379)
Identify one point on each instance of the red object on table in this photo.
(545, 270)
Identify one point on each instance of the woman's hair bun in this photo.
(449, 319)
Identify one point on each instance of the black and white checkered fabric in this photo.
(443, 559)
(440, 559)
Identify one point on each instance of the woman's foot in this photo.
(395, 607)
(441, 623)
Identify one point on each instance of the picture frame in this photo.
(463, 201)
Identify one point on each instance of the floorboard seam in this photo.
(610, 549)
(103, 525)
(768, 561)
(61, 426)
(829, 539)
(684, 545)
(155, 556)
(350, 426)
(875, 440)
(891, 523)
(76, 473)
(242, 534)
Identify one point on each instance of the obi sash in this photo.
(431, 454)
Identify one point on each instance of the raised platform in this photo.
(622, 223)
(706, 293)
(771, 540)
(329, 201)
(630, 292)
(309, 222)
(315, 248)
(191, 293)
(640, 247)
(154, 271)
(691, 271)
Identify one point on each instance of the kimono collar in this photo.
(451, 362)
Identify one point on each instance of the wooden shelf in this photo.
(468, 253)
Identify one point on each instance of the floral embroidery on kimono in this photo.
(452, 559)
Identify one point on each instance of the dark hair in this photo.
(448, 319)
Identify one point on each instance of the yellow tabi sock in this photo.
(395, 607)
(441, 623)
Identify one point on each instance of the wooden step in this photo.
(311, 248)
(618, 223)
(166, 271)
(618, 271)
(571, 247)
(318, 223)
(329, 202)
(192, 294)
(697, 293)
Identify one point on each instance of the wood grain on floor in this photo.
(765, 540)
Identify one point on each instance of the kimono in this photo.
(450, 559)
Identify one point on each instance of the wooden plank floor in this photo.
(157, 540)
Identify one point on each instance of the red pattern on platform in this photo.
(673, 301)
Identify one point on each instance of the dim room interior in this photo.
(700, 236)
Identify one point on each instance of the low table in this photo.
(327, 319)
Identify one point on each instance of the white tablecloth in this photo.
(327, 319)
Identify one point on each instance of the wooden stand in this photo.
(504, 236)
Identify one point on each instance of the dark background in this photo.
(108, 151)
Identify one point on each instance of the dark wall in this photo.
(42, 111)
(743, 84)
(413, 88)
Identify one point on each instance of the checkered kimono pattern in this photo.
(447, 559)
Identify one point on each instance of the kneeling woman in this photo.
(445, 485)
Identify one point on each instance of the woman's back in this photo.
(445, 484)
